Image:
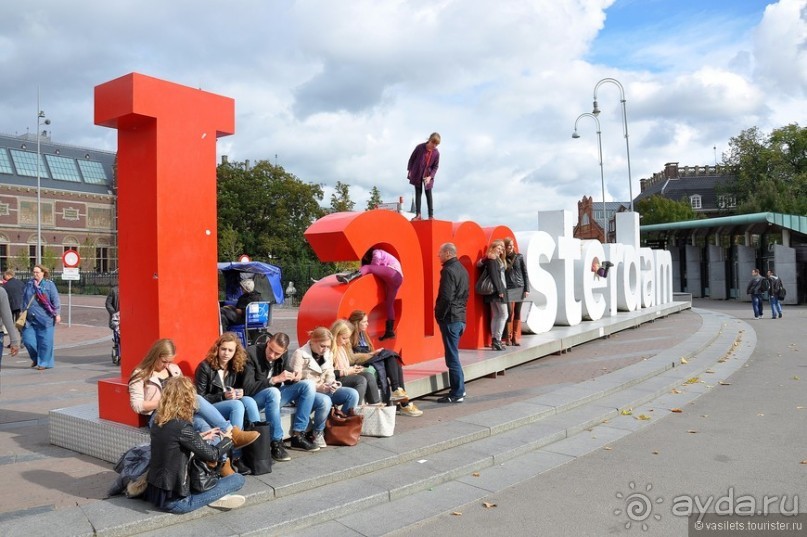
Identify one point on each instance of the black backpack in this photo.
(764, 285)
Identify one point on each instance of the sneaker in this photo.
(410, 410)
(417, 218)
(607, 264)
(228, 501)
(279, 453)
(451, 399)
(318, 439)
(299, 441)
(399, 396)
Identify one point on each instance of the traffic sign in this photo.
(71, 273)
(71, 259)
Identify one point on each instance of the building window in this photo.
(4, 209)
(3, 257)
(726, 201)
(63, 168)
(93, 172)
(32, 255)
(5, 162)
(102, 259)
(25, 161)
(695, 201)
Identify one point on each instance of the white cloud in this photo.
(344, 90)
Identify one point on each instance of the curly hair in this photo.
(161, 348)
(239, 361)
(178, 401)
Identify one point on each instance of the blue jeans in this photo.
(756, 303)
(207, 417)
(195, 500)
(38, 339)
(452, 332)
(348, 398)
(235, 409)
(271, 399)
(776, 307)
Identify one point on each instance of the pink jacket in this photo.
(386, 259)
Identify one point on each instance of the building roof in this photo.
(61, 166)
(753, 223)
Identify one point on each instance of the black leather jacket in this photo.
(171, 446)
(516, 277)
(452, 296)
(259, 371)
(208, 383)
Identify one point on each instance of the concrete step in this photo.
(380, 472)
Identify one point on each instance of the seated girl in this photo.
(346, 368)
(173, 439)
(387, 364)
(313, 361)
(145, 391)
(220, 380)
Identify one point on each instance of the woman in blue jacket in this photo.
(42, 300)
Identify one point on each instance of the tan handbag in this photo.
(20, 322)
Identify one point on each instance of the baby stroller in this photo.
(114, 324)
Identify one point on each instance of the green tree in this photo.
(771, 170)
(50, 259)
(21, 261)
(659, 210)
(268, 208)
(340, 199)
(375, 199)
(230, 246)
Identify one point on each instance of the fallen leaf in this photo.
(488, 505)
(643, 417)
(456, 513)
(803, 462)
(676, 410)
(710, 371)
(655, 453)
(676, 391)
(796, 377)
(799, 407)
(626, 411)
(684, 360)
(608, 448)
(692, 431)
(704, 415)
(475, 474)
(723, 383)
(693, 380)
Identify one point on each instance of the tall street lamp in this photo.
(40, 119)
(602, 176)
(596, 112)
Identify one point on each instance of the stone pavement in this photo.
(46, 478)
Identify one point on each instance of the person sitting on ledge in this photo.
(601, 271)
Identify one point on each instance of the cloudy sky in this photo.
(343, 91)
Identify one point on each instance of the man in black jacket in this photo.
(14, 288)
(449, 310)
(272, 386)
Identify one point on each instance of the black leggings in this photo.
(418, 193)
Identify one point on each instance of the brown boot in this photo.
(226, 468)
(516, 333)
(243, 438)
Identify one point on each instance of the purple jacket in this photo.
(416, 168)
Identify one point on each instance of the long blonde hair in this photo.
(178, 401)
(500, 257)
(239, 361)
(161, 348)
(342, 356)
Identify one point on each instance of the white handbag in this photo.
(379, 420)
